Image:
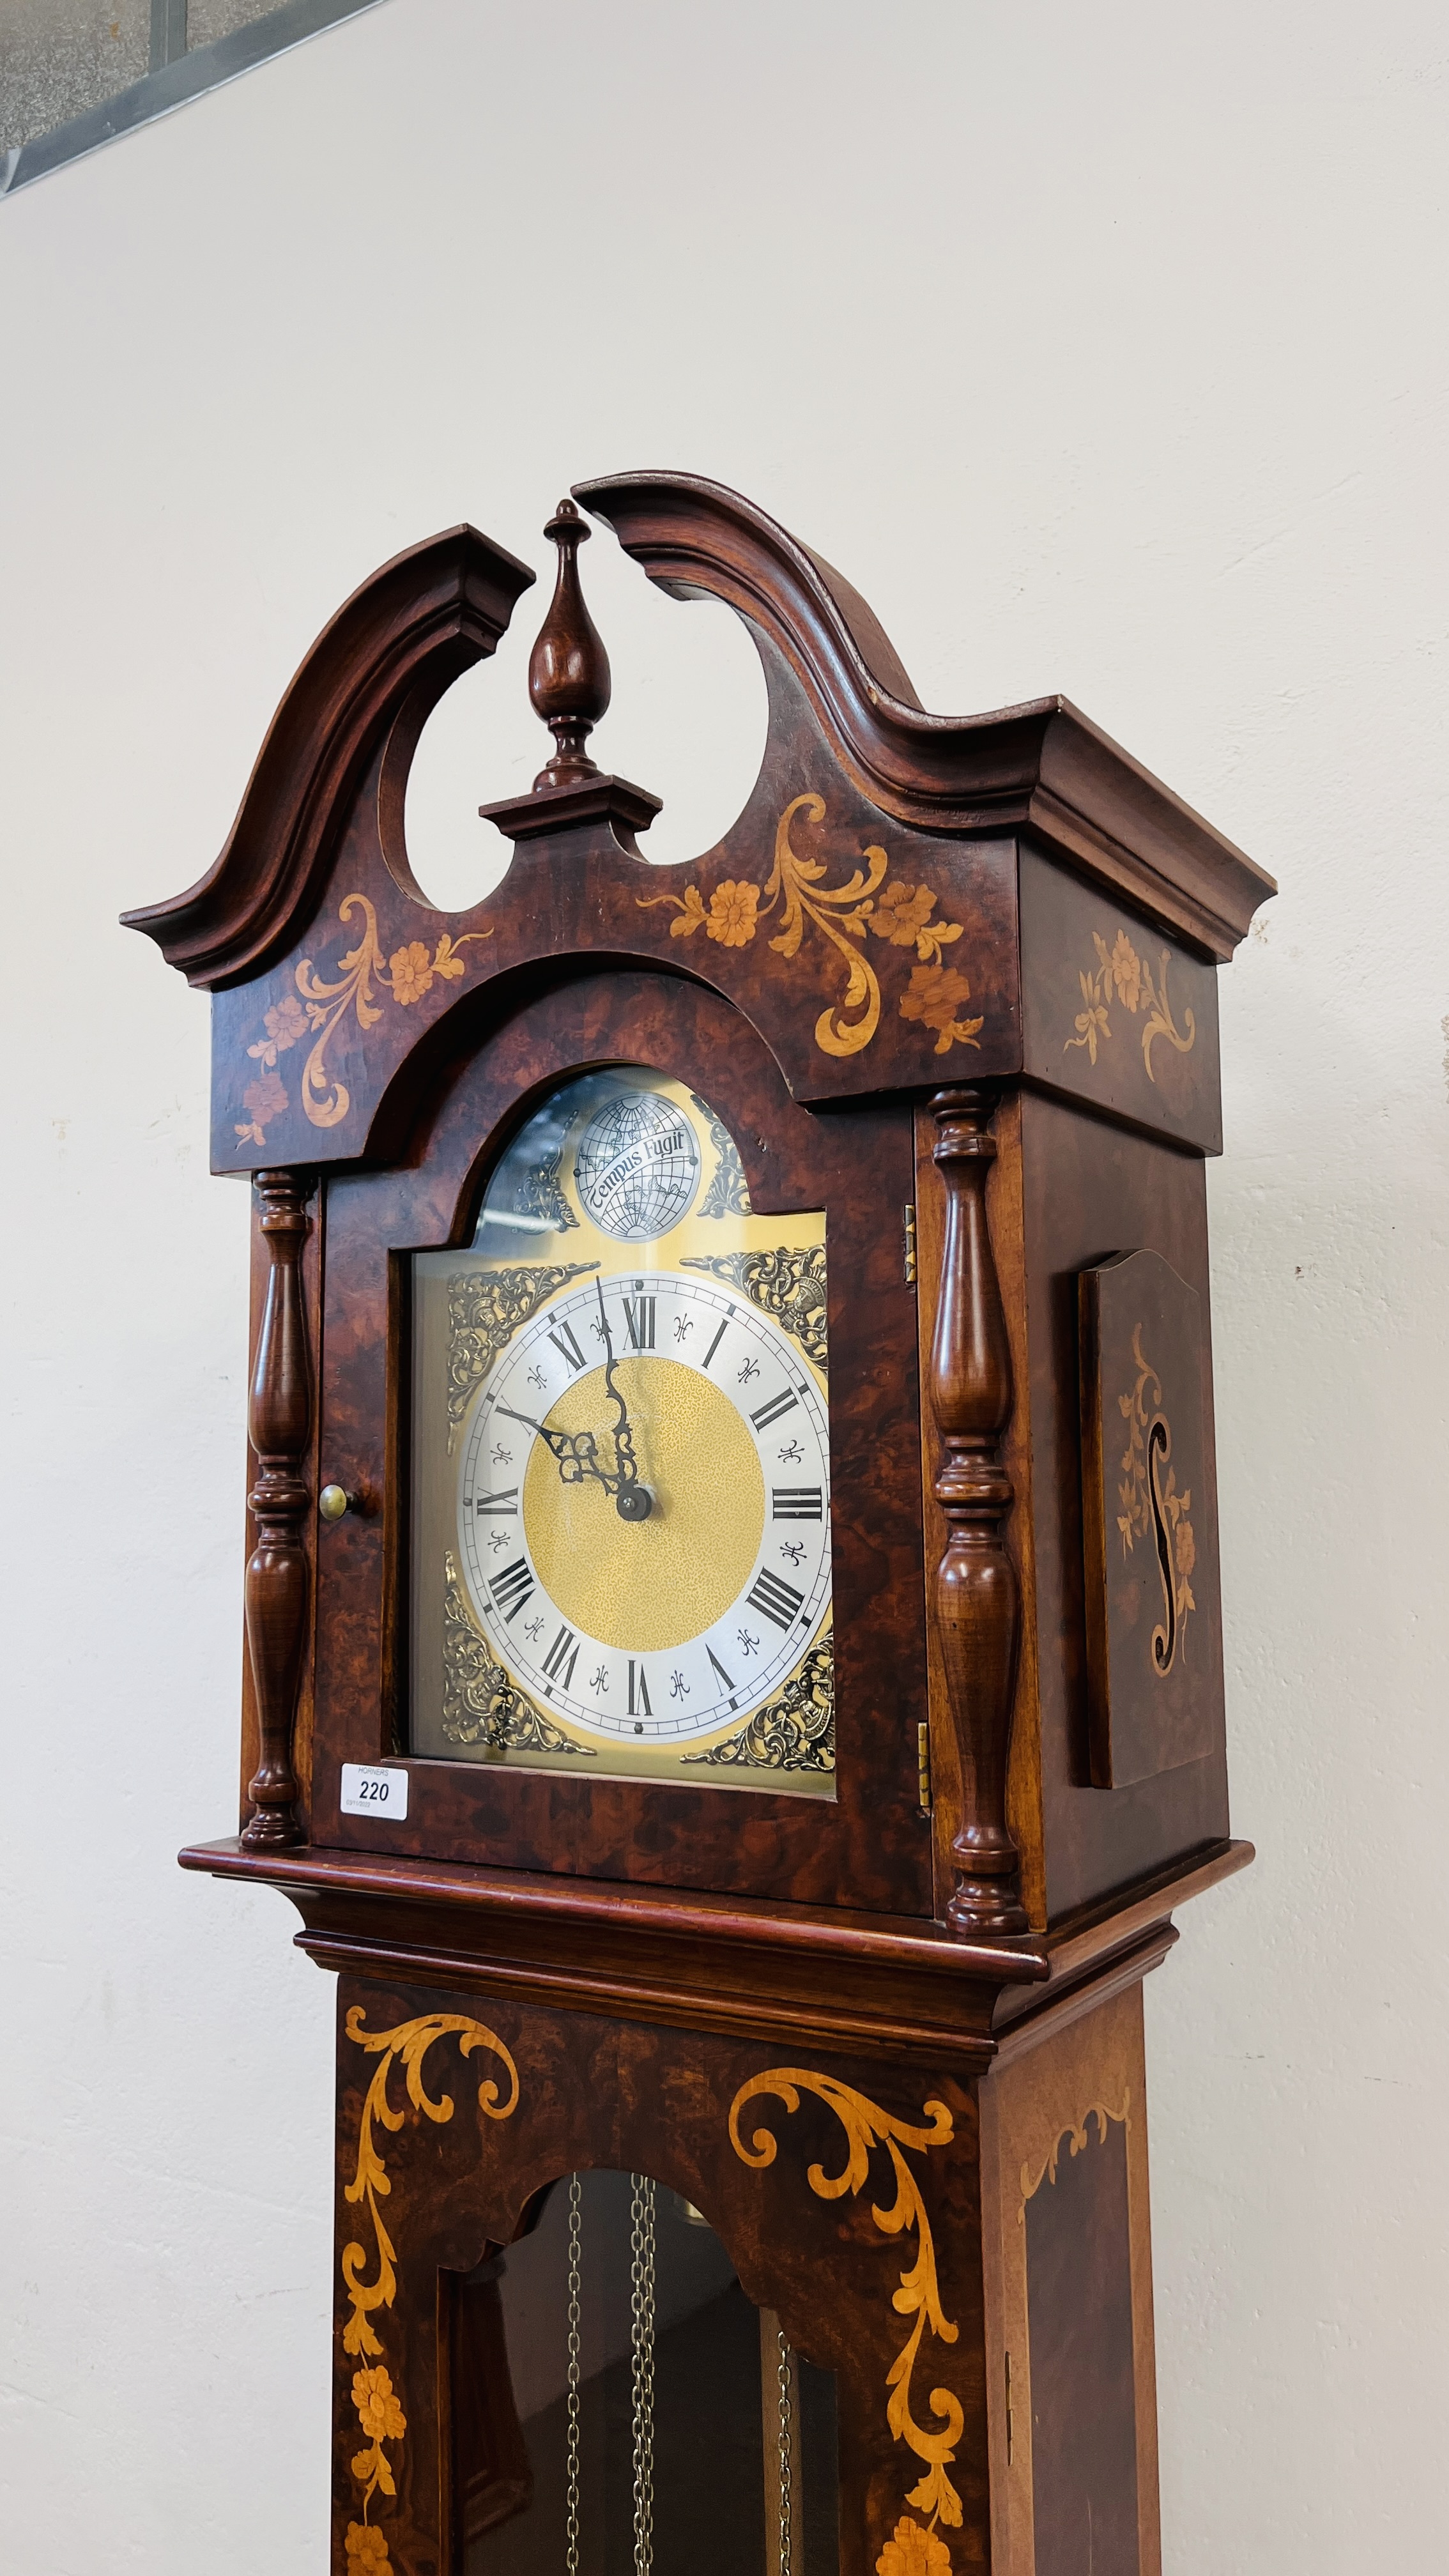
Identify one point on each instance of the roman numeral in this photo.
(562, 1338)
(797, 1503)
(772, 1411)
(719, 1668)
(714, 1345)
(561, 1658)
(507, 1501)
(774, 1599)
(638, 1691)
(511, 1588)
(639, 1316)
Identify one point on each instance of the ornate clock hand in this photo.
(632, 1500)
(575, 1451)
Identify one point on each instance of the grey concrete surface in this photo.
(60, 57)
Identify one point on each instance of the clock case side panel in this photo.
(1092, 1189)
(868, 1848)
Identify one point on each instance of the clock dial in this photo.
(663, 1626)
(621, 1450)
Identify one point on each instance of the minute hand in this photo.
(632, 1500)
(624, 1458)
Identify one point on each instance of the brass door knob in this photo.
(333, 1502)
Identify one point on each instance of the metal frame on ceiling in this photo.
(176, 75)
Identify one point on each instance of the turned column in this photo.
(978, 1598)
(279, 1420)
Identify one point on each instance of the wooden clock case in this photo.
(954, 982)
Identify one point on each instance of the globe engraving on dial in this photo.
(664, 1629)
(637, 1166)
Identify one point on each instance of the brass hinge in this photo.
(910, 1247)
(923, 1766)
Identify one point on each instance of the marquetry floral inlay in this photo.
(1152, 1507)
(1122, 976)
(913, 2551)
(408, 975)
(900, 915)
(378, 2406)
(866, 2127)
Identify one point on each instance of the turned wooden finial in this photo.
(568, 674)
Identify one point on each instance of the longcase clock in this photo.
(734, 1659)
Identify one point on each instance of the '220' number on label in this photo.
(372, 1790)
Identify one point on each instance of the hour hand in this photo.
(575, 1451)
(632, 1500)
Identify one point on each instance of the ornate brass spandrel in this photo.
(728, 1192)
(892, 911)
(543, 1199)
(794, 1732)
(378, 2405)
(916, 2549)
(482, 1705)
(786, 1283)
(485, 1310)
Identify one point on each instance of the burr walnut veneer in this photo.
(949, 986)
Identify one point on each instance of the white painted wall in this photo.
(1104, 349)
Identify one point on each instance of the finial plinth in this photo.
(568, 673)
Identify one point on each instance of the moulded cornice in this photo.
(1042, 766)
(401, 639)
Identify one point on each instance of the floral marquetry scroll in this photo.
(1123, 982)
(315, 1009)
(917, 2548)
(378, 2404)
(1154, 1651)
(1114, 1011)
(869, 903)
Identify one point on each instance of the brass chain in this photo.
(641, 2317)
(576, 2235)
(783, 2382)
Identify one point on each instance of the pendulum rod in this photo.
(641, 2321)
(576, 2242)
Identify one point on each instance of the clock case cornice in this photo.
(1029, 806)
(378, 668)
(1042, 766)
